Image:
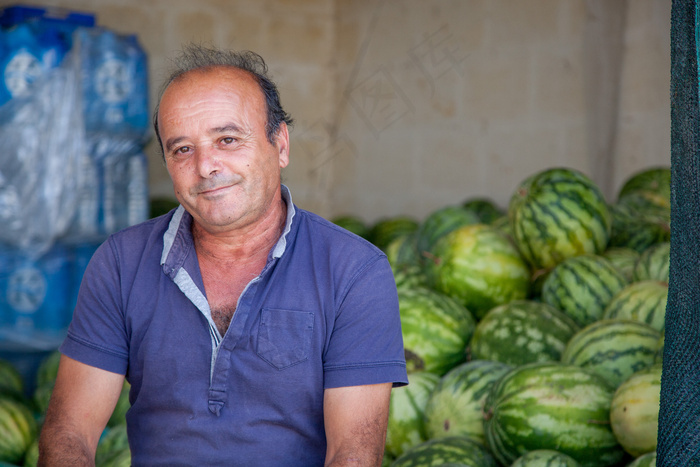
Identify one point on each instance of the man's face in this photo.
(225, 172)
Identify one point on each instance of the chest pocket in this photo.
(284, 336)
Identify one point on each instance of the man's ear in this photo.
(282, 144)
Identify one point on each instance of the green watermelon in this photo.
(502, 224)
(624, 259)
(613, 348)
(643, 301)
(385, 230)
(44, 381)
(485, 208)
(582, 286)
(409, 276)
(659, 358)
(456, 405)
(478, 266)
(402, 251)
(557, 214)
(637, 228)
(653, 263)
(118, 416)
(634, 411)
(11, 383)
(31, 457)
(452, 450)
(48, 369)
(352, 223)
(441, 222)
(18, 429)
(653, 185)
(551, 406)
(113, 440)
(406, 413)
(645, 460)
(118, 459)
(522, 331)
(436, 329)
(545, 458)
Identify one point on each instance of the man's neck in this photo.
(246, 244)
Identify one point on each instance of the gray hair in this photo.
(196, 57)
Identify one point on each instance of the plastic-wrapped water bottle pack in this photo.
(73, 119)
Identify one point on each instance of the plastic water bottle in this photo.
(26, 56)
(124, 191)
(115, 81)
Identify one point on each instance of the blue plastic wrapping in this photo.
(27, 54)
(43, 136)
(115, 84)
(73, 120)
(112, 188)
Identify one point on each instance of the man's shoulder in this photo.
(144, 235)
(323, 230)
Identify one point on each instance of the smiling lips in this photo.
(211, 187)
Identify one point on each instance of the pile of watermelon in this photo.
(22, 410)
(533, 333)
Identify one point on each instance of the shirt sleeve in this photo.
(366, 346)
(97, 333)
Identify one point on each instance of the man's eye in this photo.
(227, 140)
(182, 150)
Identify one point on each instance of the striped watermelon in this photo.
(387, 229)
(113, 441)
(11, 383)
(456, 406)
(522, 331)
(31, 457)
(406, 413)
(402, 250)
(551, 406)
(409, 276)
(453, 450)
(636, 228)
(653, 185)
(502, 224)
(659, 358)
(582, 286)
(118, 416)
(478, 266)
(545, 458)
(118, 459)
(352, 223)
(634, 411)
(485, 208)
(624, 259)
(653, 263)
(441, 222)
(557, 214)
(48, 369)
(643, 301)
(613, 348)
(645, 460)
(436, 330)
(18, 429)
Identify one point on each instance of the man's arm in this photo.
(81, 403)
(356, 418)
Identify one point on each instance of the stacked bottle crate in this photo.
(74, 121)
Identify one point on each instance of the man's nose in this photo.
(207, 161)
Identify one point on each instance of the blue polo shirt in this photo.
(323, 313)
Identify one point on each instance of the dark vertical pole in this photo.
(679, 415)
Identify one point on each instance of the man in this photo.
(252, 332)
